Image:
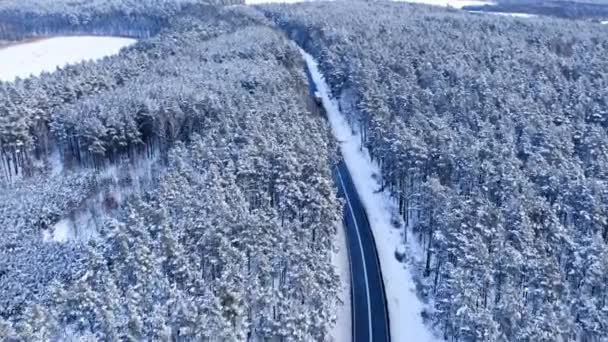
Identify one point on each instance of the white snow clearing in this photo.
(604, 22)
(450, 3)
(62, 231)
(33, 58)
(404, 307)
(79, 227)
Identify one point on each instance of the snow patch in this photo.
(55, 162)
(36, 57)
(604, 22)
(404, 306)
(62, 231)
(80, 227)
(450, 3)
(120, 181)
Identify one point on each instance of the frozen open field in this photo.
(35, 57)
(452, 3)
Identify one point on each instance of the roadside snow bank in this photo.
(342, 331)
(35, 57)
(404, 307)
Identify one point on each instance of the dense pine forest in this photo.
(491, 136)
(169, 193)
(182, 189)
(132, 18)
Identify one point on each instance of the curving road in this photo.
(369, 310)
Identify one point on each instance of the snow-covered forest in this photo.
(491, 134)
(169, 192)
(132, 18)
(182, 189)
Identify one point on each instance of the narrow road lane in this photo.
(369, 311)
(370, 322)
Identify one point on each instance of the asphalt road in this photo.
(369, 312)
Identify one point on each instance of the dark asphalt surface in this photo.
(369, 312)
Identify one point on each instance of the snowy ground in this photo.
(62, 231)
(80, 227)
(404, 306)
(343, 329)
(33, 58)
(451, 3)
(518, 15)
(604, 22)
(255, 2)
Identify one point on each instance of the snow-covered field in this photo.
(451, 3)
(505, 14)
(604, 22)
(255, 2)
(404, 306)
(33, 58)
(518, 15)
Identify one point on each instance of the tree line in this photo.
(139, 19)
